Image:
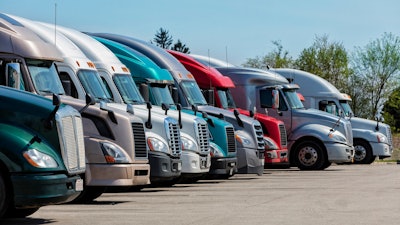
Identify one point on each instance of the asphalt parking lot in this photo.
(341, 194)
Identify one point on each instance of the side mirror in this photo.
(144, 91)
(13, 77)
(174, 93)
(90, 100)
(209, 96)
(269, 98)
(165, 107)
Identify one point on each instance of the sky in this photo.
(231, 30)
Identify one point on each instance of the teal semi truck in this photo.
(156, 80)
(115, 145)
(42, 148)
(248, 132)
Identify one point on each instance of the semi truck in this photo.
(216, 90)
(113, 157)
(154, 82)
(248, 132)
(371, 139)
(164, 144)
(315, 139)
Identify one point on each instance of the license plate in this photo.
(262, 161)
(79, 185)
(203, 163)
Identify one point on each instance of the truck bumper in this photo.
(339, 153)
(117, 174)
(193, 163)
(223, 166)
(39, 190)
(163, 167)
(278, 156)
(382, 150)
(250, 161)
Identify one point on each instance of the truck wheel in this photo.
(4, 197)
(89, 194)
(363, 152)
(309, 155)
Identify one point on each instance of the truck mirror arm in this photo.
(165, 107)
(48, 123)
(239, 121)
(90, 100)
(179, 107)
(148, 123)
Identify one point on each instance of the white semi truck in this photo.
(371, 139)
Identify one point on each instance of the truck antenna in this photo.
(55, 23)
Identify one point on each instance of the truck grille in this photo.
(70, 132)
(349, 133)
(174, 139)
(282, 131)
(140, 140)
(230, 135)
(389, 134)
(259, 136)
(203, 138)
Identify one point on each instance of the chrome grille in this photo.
(259, 136)
(349, 132)
(203, 138)
(282, 131)
(389, 135)
(70, 132)
(174, 139)
(230, 135)
(140, 140)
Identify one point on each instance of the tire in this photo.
(5, 198)
(363, 152)
(21, 213)
(309, 155)
(89, 194)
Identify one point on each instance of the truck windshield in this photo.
(127, 88)
(159, 93)
(45, 77)
(346, 107)
(192, 93)
(226, 98)
(293, 99)
(92, 84)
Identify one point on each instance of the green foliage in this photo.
(164, 40)
(326, 59)
(392, 110)
(180, 47)
(377, 65)
(278, 58)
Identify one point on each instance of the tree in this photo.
(377, 66)
(392, 110)
(278, 58)
(180, 47)
(163, 39)
(326, 59)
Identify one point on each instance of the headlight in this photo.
(113, 153)
(156, 144)
(381, 138)
(215, 150)
(270, 144)
(243, 139)
(338, 137)
(188, 144)
(39, 159)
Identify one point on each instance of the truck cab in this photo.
(248, 132)
(216, 90)
(113, 158)
(371, 139)
(315, 139)
(154, 83)
(164, 145)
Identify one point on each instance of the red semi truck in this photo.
(216, 88)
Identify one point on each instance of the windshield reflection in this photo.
(226, 98)
(293, 99)
(159, 93)
(346, 107)
(45, 77)
(92, 84)
(127, 88)
(193, 93)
